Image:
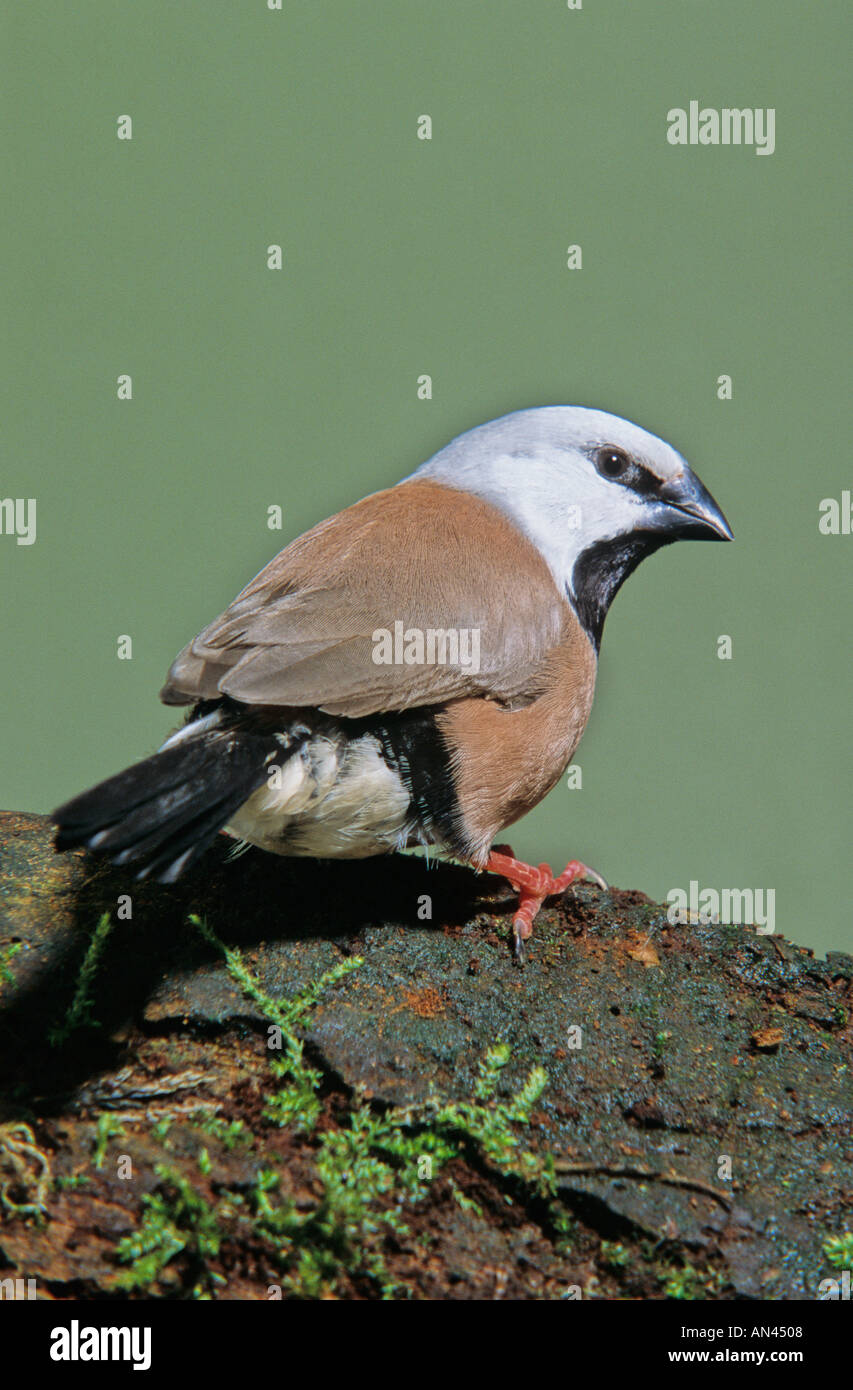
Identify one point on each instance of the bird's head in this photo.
(594, 493)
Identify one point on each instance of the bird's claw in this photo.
(534, 885)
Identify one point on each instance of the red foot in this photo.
(534, 886)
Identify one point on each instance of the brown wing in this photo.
(302, 633)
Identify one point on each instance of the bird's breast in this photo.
(505, 760)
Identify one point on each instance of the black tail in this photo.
(164, 812)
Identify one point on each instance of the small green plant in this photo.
(679, 1282)
(79, 1013)
(161, 1130)
(296, 1102)
(230, 1133)
(660, 1043)
(839, 1250)
(563, 1226)
(345, 1230)
(107, 1129)
(372, 1169)
(491, 1125)
(68, 1182)
(175, 1220)
(463, 1201)
(7, 955)
(685, 1282)
(614, 1255)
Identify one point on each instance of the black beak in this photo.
(688, 511)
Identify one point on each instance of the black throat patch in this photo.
(601, 570)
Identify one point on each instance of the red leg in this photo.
(534, 886)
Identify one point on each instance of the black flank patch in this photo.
(412, 743)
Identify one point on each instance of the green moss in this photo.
(684, 1282)
(230, 1133)
(7, 955)
(79, 1013)
(370, 1171)
(295, 1102)
(614, 1255)
(175, 1220)
(839, 1250)
(463, 1201)
(490, 1125)
(161, 1130)
(107, 1129)
(69, 1182)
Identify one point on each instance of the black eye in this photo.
(612, 463)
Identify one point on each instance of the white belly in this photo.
(333, 799)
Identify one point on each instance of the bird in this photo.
(415, 671)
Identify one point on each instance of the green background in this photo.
(402, 257)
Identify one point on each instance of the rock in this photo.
(699, 1076)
